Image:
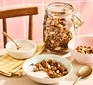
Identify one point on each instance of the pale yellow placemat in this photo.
(10, 66)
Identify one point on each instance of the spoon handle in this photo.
(10, 38)
(77, 80)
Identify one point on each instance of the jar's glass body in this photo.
(58, 27)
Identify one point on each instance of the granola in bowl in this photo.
(47, 68)
(52, 68)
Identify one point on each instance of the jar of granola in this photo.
(58, 27)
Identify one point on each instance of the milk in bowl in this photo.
(28, 48)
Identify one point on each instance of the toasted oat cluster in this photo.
(57, 33)
(84, 49)
(52, 68)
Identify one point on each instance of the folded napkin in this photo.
(10, 66)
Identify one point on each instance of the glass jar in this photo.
(58, 27)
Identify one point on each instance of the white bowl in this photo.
(39, 58)
(83, 40)
(28, 48)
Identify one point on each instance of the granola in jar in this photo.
(58, 26)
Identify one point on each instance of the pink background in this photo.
(17, 27)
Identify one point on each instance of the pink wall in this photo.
(84, 7)
(87, 15)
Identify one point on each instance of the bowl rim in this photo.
(23, 66)
(80, 36)
(33, 43)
